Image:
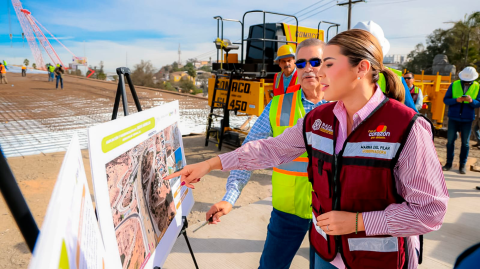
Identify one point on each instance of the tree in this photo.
(26, 62)
(34, 66)
(100, 73)
(143, 74)
(461, 44)
(175, 67)
(206, 68)
(115, 78)
(192, 72)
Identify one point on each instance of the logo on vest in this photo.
(323, 127)
(379, 133)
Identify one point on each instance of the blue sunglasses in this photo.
(302, 63)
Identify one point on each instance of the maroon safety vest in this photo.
(414, 92)
(278, 88)
(358, 179)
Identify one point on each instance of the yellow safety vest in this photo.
(381, 79)
(291, 189)
(457, 90)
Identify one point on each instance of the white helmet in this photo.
(468, 74)
(377, 32)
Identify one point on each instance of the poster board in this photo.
(70, 237)
(140, 214)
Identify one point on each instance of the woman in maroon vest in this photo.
(377, 180)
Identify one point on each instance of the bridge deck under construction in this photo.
(36, 118)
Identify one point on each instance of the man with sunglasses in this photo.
(288, 76)
(415, 91)
(291, 189)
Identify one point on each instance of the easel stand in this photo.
(184, 232)
(124, 73)
(17, 204)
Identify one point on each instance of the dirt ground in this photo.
(36, 176)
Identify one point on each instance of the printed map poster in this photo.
(140, 214)
(70, 237)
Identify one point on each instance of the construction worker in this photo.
(291, 190)
(3, 74)
(5, 64)
(51, 72)
(461, 98)
(59, 74)
(288, 76)
(415, 91)
(377, 31)
(24, 71)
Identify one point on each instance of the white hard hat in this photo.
(468, 74)
(377, 32)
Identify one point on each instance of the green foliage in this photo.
(115, 78)
(26, 62)
(461, 44)
(77, 72)
(192, 72)
(34, 66)
(206, 68)
(175, 67)
(142, 74)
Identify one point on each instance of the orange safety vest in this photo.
(3, 70)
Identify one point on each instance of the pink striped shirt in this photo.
(418, 174)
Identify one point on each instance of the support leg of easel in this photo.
(124, 74)
(184, 232)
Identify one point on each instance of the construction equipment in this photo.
(31, 30)
(246, 86)
(434, 88)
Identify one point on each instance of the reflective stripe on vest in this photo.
(291, 189)
(457, 90)
(358, 179)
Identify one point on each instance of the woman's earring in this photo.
(358, 77)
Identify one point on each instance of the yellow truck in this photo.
(245, 85)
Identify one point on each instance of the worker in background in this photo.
(288, 76)
(59, 74)
(415, 91)
(461, 98)
(51, 72)
(24, 71)
(5, 64)
(377, 31)
(291, 191)
(3, 74)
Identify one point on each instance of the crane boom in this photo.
(27, 29)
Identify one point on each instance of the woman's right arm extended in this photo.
(259, 154)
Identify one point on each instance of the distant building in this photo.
(201, 63)
(394, 59)
(177, 76)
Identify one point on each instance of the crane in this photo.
(32, 32)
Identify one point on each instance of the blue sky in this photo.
(124, 32)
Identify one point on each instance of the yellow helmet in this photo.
(284, 52)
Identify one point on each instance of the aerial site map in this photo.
(142, 203)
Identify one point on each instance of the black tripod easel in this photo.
(17, 204)
(124, 72)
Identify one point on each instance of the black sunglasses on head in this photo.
(407, 78)
(302, 63)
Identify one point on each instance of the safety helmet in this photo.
(468, 74)
(377, 32)
(285, 51)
